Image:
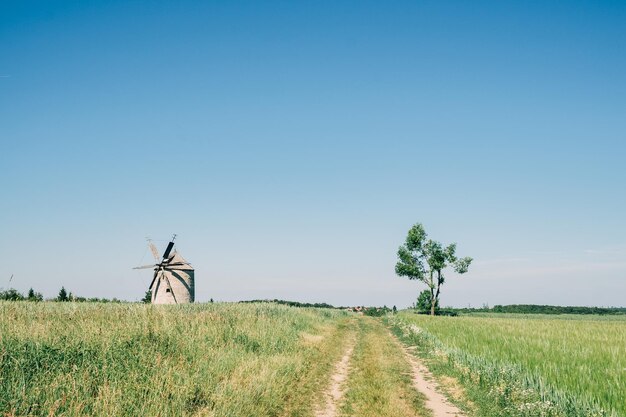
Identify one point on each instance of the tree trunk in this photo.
(432, 304)
(432, 295)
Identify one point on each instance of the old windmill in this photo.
(173, 280)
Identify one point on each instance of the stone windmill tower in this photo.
(173, 280)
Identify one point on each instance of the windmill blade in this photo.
(145, 266)
(169, 265)
(156, 274)
(166, 254)
(154, 250)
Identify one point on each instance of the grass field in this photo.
(75, 359)
(78, 359)
(529, 365)
(96, 359)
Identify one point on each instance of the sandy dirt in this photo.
(424, 382)
(334, 394)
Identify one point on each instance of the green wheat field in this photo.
(532, 364)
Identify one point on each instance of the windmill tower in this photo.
(173, 280)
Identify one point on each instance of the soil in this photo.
(334, 393)
(424, 382)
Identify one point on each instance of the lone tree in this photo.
(62, 295)
(34, 296)
(424, 260)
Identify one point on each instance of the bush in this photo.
(424, 301)
(11, 295)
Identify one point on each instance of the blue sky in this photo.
(291, 145)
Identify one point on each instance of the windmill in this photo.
(173, 280)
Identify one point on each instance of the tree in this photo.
(62, 295)
(11, 295)
(425, 260)
(34, 296)
(147, 298)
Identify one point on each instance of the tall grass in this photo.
(576, 367)
(130, 359)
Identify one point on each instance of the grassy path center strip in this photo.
(379, 382)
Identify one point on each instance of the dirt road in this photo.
(378, 376)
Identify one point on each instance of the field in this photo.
(77, 359)
(260, 359)
(577, 364)
(129, 359)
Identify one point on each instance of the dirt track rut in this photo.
(421, 378)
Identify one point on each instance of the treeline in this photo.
(543, 309)
(64, 296)
(368, 311)
(14, 295)
(293, 303)
(378, 311)
(440, 312)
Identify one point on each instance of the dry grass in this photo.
(195, 360)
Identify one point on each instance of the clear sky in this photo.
(291, 145)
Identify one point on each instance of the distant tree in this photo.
(11, 295)
(34, 296)
(62, 295)
(375, 311)
(211, 300)
(394, 309)
(147, 298)
(424, 260)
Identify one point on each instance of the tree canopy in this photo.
(423, 259)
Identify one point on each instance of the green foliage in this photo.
(424, 302)
(147, 298)
(543, 309)
(291, 303)
(34, 296)
(11, 295)
(65, 296)
(376, 311)
(425, 260)
(62, 295)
